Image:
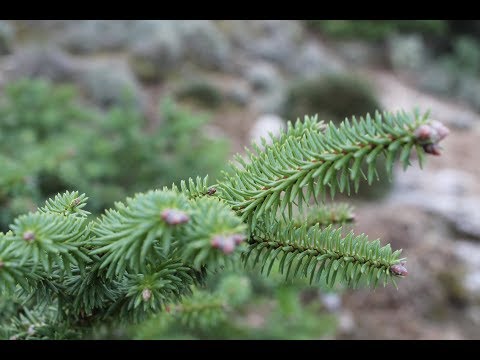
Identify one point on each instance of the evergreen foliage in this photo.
(152, 254)
(50, 143)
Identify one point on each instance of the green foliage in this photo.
(312, 252)
(234, 310)
(33, 111)
(50, 143)
(276, 176)
(151, 256)
(327, 214)
(210, 220)
(201, 93)
(376, 29)
(126, 235)
(333, 97)
(69, 203)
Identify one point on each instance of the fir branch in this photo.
(12, 271)
(194, 189)
(275, 178)
(200, 311)
(38, 324)
(212, 235)
(68, 203)
(312, 252)
(328, 214)
(152, 252)
(47, 239)
(127, 235)
(91, 291)
(149, 292)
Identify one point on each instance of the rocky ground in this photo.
(239, 72)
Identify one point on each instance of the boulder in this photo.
(108, 85)
(448, 193)
(153, 59)
(7, 35)
(48, 62)
(90, 36)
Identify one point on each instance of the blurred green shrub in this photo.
(201, 93)
(50, 143)
(333, 97)
(375, 29)
(238, 309)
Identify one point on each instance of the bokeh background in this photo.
(111, 107)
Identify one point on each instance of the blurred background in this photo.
(111, 107)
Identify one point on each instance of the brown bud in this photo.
(174, 217)
(423, 132)
(2, 264)
(238, 238)
(211, 191)
(441, 130)
(31, 330)
(433, 149)
(28, 236)
(146, 294)
(399, 269)
(217, 241)
(228, 245)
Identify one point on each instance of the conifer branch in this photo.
(202, 310)
(311, 252)
(274, 178)
(151, 252)
(328, 214)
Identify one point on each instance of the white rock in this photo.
(265, 124)
(346, 323)
(469, 253)
(331, 301)
(450, 193)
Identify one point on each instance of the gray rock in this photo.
(463, 121)
(360, 53)
(238, 94)
(161, 46)
(108, 85)
(270, 102)
(145, 30)
(449, 193)
(407, 52)
(205, 44)
(314, 60)
(272, 40)
(153, 59)
(268, 86)
(45, 25)
(263, 77)
(437, 79)
(469, 255)
(468, 90)
(89, 36)
(7, 35)
(48, 62)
